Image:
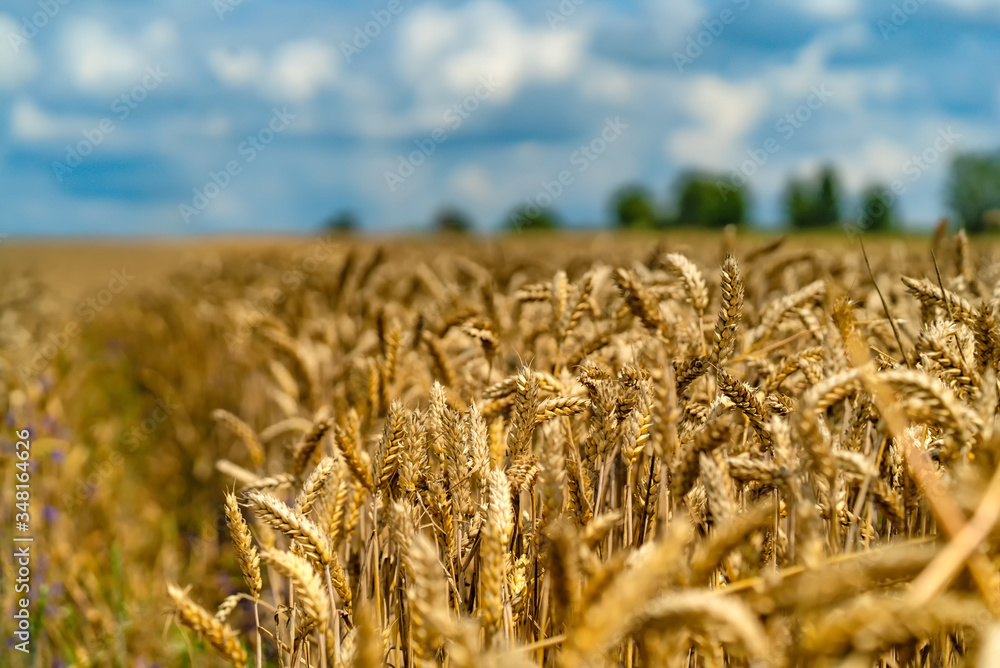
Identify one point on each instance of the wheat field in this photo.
(687, 451)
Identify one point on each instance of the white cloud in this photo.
(236, 68)
(971, 6)
(829, 9)
(445, 56)
(725, 112)
(789, 85)
(884, 84)
(429, 31)
(472, 182)
(480, 39)
(878, 160)
(216, 126)
(229, 209)
(609, 83)
(160, 34)
(100, 61)
(674, 21)
(28, 122)
(790, 82)
(850, 35)
(17, 59)
(298, 70)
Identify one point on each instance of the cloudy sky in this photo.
(171, 117)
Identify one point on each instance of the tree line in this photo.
(705, 200)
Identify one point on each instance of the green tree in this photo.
(708, 200)
(344, 222)
(877, 209)
(814, 203)
(452, 221)
(974, 189)
(529, 217)
(827, 207)
(632, 208)
(798, 205)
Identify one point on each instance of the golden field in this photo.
(658, 450)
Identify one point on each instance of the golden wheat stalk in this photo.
(244, 432)
(308, 585)
(218, 634)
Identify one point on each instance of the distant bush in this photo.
(632, 208)
(974, 190)
(344, 222)
(814, 203)
(531, 217)
(878, 209)
(452, 221)
(707, 200)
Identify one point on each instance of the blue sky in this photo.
(169, 117)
